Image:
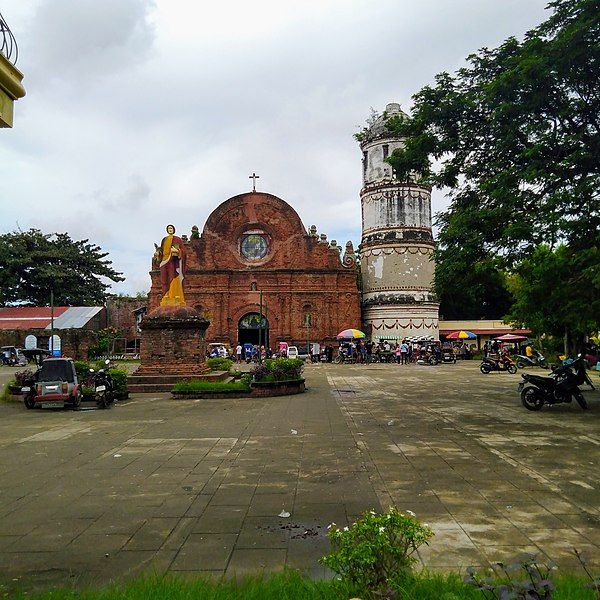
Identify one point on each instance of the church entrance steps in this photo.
(166, 381)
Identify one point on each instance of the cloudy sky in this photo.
(143, 112)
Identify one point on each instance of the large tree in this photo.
(549, 299)
(515, 136)
(33, 263)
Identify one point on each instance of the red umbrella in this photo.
(511, 337)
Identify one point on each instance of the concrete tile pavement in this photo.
(197, 486)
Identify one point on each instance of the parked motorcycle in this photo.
(343, 357)
(104, 389)
(448, 356)
(491, 364)
(561, 386)
(537, 360)
(29, 390)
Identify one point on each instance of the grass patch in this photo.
(198, 385)
(5, 395)
(291, 585)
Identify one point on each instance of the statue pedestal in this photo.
(172, 349)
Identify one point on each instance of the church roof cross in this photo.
(254, 177)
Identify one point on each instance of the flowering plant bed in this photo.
(236, 389)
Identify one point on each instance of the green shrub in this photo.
(219, 364)
(89, 392)
(278, 369)
(119, 377)
(82, 368)
(377, 550)
(198, 385)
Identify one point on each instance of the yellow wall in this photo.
(11, 89)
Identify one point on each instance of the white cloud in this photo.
(141, 113)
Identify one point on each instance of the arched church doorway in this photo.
(250, 328)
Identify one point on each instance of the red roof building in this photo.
(65, 317)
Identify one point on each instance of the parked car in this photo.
(295, 352)
(55, 385)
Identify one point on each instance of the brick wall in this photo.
(74, 342)
(301, 274)
(120, 314)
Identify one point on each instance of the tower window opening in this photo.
(365, 162)
(386, 151)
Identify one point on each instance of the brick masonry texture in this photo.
(121, 316)
(74, 342)
(299, 275)
(173, 342)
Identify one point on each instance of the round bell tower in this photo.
(396, 250)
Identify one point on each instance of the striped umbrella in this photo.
(461, 335)
(350, 334)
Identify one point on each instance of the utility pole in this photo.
(260, 326)
(266, 324)
(308, 317)
(52, 321)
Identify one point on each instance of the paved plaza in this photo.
(197, 487)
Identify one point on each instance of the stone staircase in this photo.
(164, 383)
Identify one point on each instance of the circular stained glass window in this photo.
(254, 246)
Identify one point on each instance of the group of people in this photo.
(403, 352)
(357, 351)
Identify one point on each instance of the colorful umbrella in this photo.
(350, 334)
(461, 335)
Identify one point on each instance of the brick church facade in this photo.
(256, 242)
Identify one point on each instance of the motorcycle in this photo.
(537, 360)
(344, 357)
(561, 386)
(428, 358)
(104, 389)
(490, 364)
(448, 356)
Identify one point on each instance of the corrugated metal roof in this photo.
(75, 317)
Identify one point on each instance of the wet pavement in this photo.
(204, 486)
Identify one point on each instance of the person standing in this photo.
(315, 352)
(369, 352)
(404, 352)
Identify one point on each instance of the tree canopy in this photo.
(32, 263)
(515, 137)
